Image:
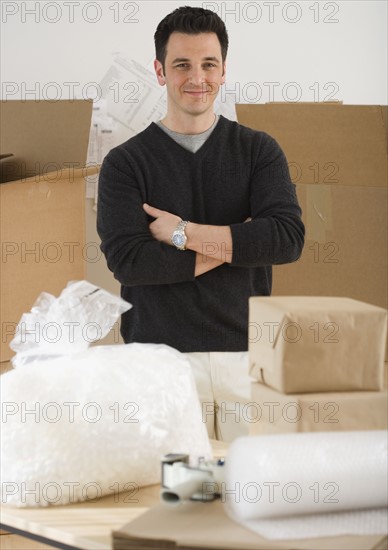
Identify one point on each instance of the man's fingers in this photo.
(152, 211)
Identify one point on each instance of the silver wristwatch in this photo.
(178, 238)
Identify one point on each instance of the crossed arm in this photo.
(212, 243)
(141, 253)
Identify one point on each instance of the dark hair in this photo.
(189, 20)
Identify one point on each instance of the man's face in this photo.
(193, 72)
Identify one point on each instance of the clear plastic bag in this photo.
(82, 314)
(80, 422)
(95, 423)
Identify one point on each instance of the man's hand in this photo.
(164, 225)
(162, 229)
(211, 241)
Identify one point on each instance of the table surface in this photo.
(86, 525)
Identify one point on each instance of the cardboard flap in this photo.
(198, 525)
(326, 143)
(37, 134)
(68, 174)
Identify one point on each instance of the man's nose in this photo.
(197, 76)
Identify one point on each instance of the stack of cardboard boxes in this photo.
(42, 199)
(319, 362)
(337, 156)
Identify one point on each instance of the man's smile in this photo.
(196, 93)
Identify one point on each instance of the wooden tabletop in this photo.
(86, 525)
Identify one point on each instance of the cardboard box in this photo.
(316, 344)
(195, 525)
(272, 412)
(42, 216)
(337, 156)
(43, 136)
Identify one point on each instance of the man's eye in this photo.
(210, 65)
(182, 65)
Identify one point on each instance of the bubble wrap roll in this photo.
(308, 484)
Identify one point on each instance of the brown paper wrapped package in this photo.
(300, 344)
(271, 412)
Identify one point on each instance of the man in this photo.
(192, 214)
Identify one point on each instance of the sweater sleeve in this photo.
(132, 254)
(276, 233)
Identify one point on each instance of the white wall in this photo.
(314, 49)
(43, 42)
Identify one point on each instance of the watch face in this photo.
(178, 240)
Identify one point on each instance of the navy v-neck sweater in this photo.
(237, 173)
